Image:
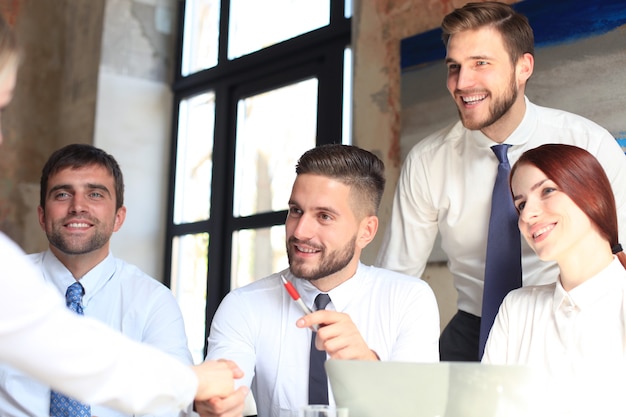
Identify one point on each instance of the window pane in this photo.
(256, 24)
(273, 130)
(348, 9)
(200, 37)
(346, 124)
(257, 253)
(189, 284)
(194, 153)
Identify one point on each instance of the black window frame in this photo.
(317, 54)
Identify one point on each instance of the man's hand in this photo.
(338, 335)
(216, 378)
(230, 406)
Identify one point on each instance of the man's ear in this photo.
(367, 231)
(42, 218)
(120, 216)
(525, 67)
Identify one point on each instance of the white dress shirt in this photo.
(80, 356)
(550, 328)
(446, 184)
(578, 338)
(117, 294)
(255, 326)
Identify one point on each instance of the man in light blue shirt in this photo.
(81, 206)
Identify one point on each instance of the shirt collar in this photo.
(587, 293)
(340, 296)
(54, 271)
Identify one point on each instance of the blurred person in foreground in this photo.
(80, 356)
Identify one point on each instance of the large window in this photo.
(259, 83)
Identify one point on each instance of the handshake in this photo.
(216, 394)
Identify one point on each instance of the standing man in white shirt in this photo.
(373, 314)
(447, 179)
(81, 206)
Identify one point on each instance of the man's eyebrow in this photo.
(318, 208)
(472, 57)
(91, 186)
(58, 187)
(327, 209)
(480, 57)
(100, 187)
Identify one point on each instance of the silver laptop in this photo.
(446, 389)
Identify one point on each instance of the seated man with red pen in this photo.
(372, 313)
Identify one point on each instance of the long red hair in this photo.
(579, 175)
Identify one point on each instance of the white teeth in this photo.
(542, 231)
(78, 225)
(473, 99)
(301, 249)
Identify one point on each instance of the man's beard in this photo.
(497, 110)
(329, 264)
(68, 246)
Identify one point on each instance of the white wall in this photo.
(133, 120)
(133, 124)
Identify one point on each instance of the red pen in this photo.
(296, 297)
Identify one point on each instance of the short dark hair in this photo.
(363, 171)
(516, 32)
(80, 155)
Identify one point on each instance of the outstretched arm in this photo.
(85, 358)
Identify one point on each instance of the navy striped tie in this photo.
(61, 405)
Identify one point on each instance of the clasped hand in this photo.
(216, 395)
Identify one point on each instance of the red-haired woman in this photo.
(567, 214)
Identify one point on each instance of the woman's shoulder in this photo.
(531, 293)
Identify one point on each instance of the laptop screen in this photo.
(446, 389)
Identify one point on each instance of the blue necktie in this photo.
(318, 382)
(503, 265)
(61, 405)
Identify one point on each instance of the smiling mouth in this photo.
(473, 99)
(306, 250)
(542, 231)
(77, 225)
